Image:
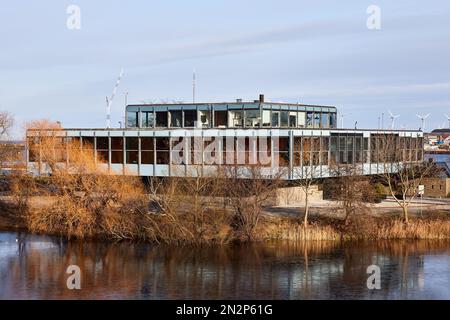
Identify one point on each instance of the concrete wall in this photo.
(295, 196)
(437, 187)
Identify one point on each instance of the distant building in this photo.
(441, 132)
(439, 187)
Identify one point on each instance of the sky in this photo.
(312, 52)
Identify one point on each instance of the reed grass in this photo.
(362, 228)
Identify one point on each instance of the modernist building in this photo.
(171, 139)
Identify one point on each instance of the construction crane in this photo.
(110, 100)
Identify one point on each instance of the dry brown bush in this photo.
(92, 202)
(247, 190)
(186, 209)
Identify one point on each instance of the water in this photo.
(439, 157)
(34, 267)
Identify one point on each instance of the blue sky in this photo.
(317, 52)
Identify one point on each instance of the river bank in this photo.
(430, 220)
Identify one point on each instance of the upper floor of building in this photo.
(238, 114)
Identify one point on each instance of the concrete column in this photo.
(139, 153)
(291, 153)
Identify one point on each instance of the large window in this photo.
(162, 150)
(148, 120)
(190, 117)
(324, 120)
(275, 121)
(117, 150)
(103, 149)
(132, 144)
(176, 118)
(220, 118)
(316, 123)
(284, 118)
(301, 119)
(266, 118)
(334, 149)
(348, 148)
(178, 150)
(147, 148)
(161, 119)
(264, 151)
(283, 151)
(132, 119)
(292, 120)
(333, 120)
(309, 119)
(252, 118)
(236, 118)
(324, 147)
(205, 118)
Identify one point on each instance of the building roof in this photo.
(440, 131)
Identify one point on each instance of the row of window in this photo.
(230, 118)
(338, 148)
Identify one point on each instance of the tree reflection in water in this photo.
(35, 267)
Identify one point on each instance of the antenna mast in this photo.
(110, 100)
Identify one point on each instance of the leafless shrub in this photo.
(402, 169)
(247, 189)
(351, 189)
(6, 123)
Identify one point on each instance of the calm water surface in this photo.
(34, 267)
(439, 157)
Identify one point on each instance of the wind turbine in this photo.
(110, 100)
(342, 119)
(393, 117)
(422, 118)
(448, 119)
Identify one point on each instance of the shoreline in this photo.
(285, 224)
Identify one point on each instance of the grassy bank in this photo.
(119, 225)
(360, 228)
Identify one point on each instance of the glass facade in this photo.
(337, 148)
(231, 116)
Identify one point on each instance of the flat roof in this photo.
(240, 129)
(228, 103)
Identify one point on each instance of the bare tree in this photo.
(200, 191)
(351, 189)
(6, 123)
(8, 152)
(400, 160)
(306, 168)
(247, 189)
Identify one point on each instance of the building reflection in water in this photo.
(35, 267)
